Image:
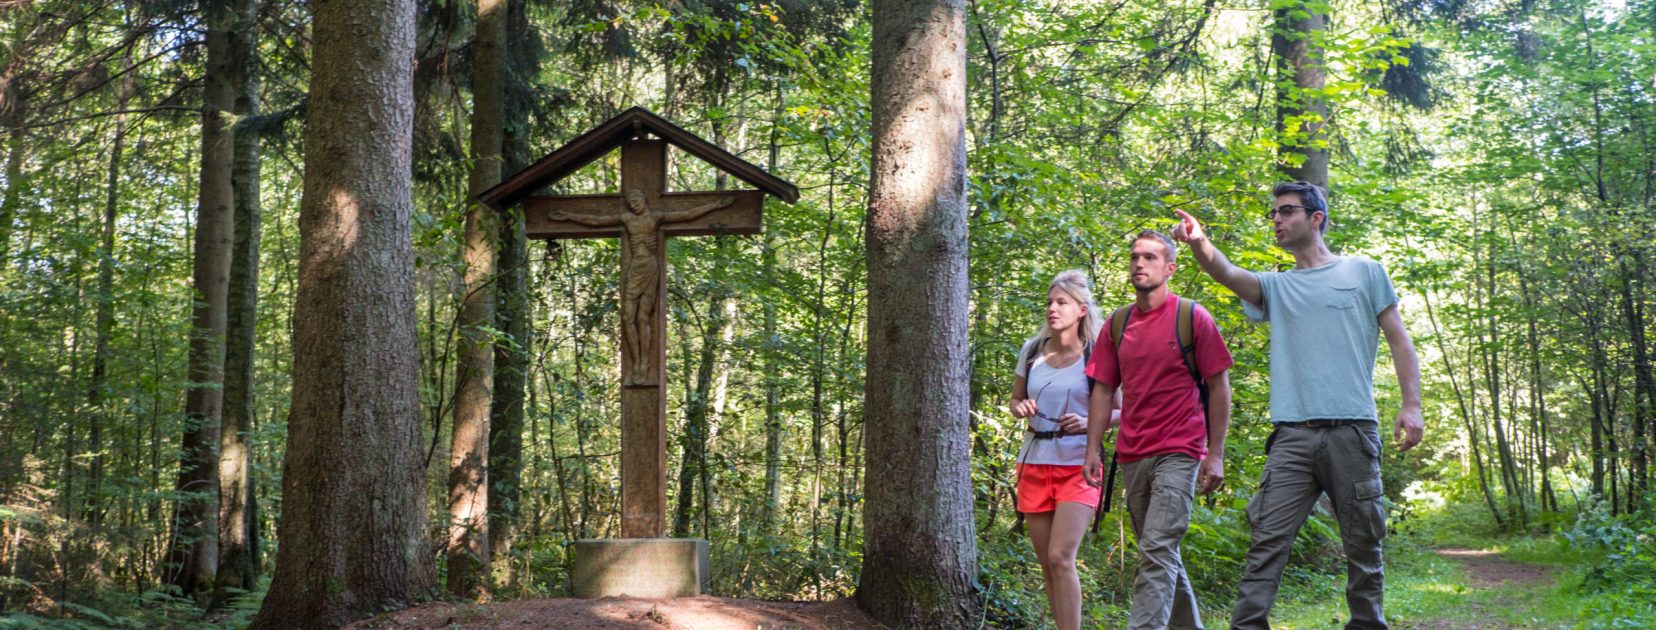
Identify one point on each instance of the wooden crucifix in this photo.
(643, 215)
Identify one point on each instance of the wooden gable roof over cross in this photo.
(643, 168)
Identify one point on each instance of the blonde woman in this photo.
(1050, 392)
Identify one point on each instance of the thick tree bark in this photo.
(354, 508)
(512, 312)
(192, 559)
(238, 553)
(919, 542)
(1300, 114)
(468, 538)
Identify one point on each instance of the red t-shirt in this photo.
(1161, 407)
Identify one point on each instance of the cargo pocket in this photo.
(1365, 517)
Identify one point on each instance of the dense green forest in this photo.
(1496, 155)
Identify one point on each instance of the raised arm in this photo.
(1410, 423)
(1238, 280)
(583, 218)
(697, 212)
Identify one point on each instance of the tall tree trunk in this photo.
(1490, 352)
(693, 465)
(715, 414)
(468, 539)
(1589, 314)
(513, 299)
(353, 500)
(1300, 73)
(773, 383)
(1492, 381)
(1613, 455)
(192, 560)
(1465, 411)
(105, 317)
(1538, 389)
(11, 110)
(14, 192)
(238, 553)
(920, 554)
(1644, 384)
(819, 370)
(1538, 392)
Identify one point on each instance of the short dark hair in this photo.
(1311, 196)
(1152, 235)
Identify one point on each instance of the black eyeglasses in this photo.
(1287, 210)
(1060, 413)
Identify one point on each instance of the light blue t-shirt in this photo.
(1325, 333)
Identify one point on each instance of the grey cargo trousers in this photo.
(1159, 491)
(1341, 458)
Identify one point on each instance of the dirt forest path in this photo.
(1506, 585)
(1494, 589)
(692, 613)
(1486, 569)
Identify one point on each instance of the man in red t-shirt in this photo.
(1166, 445)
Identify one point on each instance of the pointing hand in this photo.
(1189, 230)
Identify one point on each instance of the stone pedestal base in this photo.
(640, 567)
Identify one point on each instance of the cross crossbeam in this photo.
(553, 217)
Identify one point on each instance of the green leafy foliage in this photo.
(1494, 156)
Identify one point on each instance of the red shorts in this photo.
(1041, 487)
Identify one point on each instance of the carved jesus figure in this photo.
(642, 227)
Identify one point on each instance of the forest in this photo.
(263, 352)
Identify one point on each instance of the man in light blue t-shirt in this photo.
(1326, 316)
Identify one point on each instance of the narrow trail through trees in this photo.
(1486, 569)
(1513, 586)
(612, 613)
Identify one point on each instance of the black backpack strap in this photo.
(1118, 326)
(1187, 349)
(1187, 337)
(1034, 353)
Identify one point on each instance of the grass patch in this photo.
(1423, 588)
